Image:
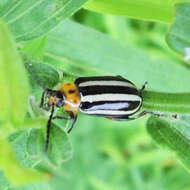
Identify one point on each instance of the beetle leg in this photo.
(119, 118)
(143, 87)
(126, 117)
(138, 115)
(48, 128)
(42, 98)
(73, 118)
(61, 117)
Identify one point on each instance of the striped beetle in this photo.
(113, 97)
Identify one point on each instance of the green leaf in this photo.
(37, 186)
(60, 149)
(35, 48)
(43, 73)
(160, 10)
(9, 163)
(5, 184)
(29, 146)
(30, 18)
(13, 80)
(70, 47)
(179, 35)
(173, 135)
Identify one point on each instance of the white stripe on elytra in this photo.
(106, 83)
(110, 112)
(110, 97)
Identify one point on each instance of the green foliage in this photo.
(172, 135)
(45, 74)
(30, 18)
(70, 47)
(178, 36)
(13, 101)
(12, 106)
(32, 143)
(107, 154)
(161, 10)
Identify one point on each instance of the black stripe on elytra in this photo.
(102, 89)
(101, 78)
(110, 105)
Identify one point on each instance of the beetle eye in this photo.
(60, 103)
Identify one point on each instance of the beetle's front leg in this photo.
(62, 117)
(73, 118)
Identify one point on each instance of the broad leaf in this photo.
(29, 146)
(70, 47)
(42, 73)
(173, 135)
(30, 18)
(8, 162)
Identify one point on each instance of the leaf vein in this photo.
(26, 11)
(12, 9)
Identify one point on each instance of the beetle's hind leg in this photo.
(127, 117)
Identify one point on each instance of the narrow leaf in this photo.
(30, 18)
(173, 135)
(160, 10)
(13, 80)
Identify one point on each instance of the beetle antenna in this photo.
(42, 98)
(48, 128)
(45, 92)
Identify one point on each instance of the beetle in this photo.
(113, 97)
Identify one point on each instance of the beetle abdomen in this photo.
(108, 96)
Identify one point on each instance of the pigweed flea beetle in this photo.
(113, 97)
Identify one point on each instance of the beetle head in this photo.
(55, 97)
